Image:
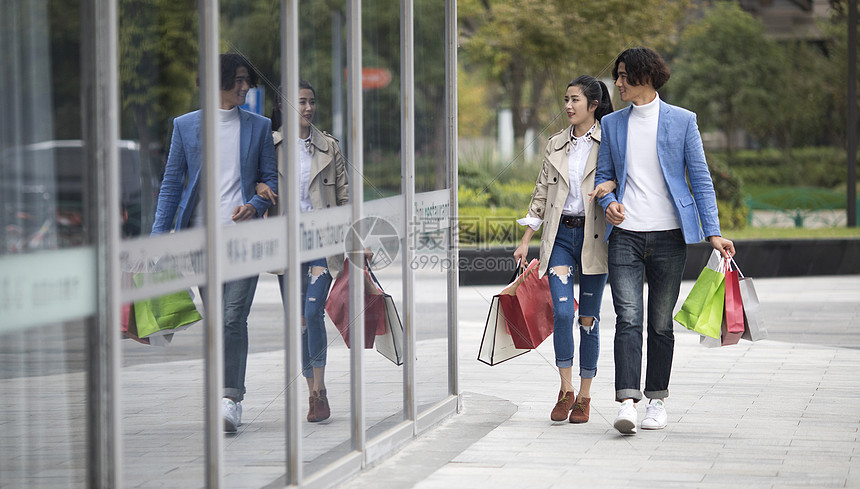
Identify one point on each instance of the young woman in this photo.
(323, 184)
(572, 240)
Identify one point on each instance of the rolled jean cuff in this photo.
(587, 373)
(308, 371)
(663, 394)
(564, 363)
(623, 394)
(234, 393)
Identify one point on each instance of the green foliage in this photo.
(158, 64)
(533, 49)
(794, 197)
(733, 211)
(490, 225)
(721, 71)
(812, 166)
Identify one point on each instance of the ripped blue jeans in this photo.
(314, 294)
(567, 252)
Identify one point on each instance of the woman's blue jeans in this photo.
(567, 251)
(659, 257)
(314, 295)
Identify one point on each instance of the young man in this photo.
(246, 156)
(650, 149)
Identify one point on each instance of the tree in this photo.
(727, 72)
(158, 64)
(529, 47)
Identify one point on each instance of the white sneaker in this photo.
(232, 415)
(625, 422)
(239, 408)
(655, 415)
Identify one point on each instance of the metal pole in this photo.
(355, 150)
(407, 149)
(451, 157)
(100, 114)
(290, 201)
(210, 85)
(851, 126)
(337, 107)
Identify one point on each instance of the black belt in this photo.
(573, 221)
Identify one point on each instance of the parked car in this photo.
(42, 189)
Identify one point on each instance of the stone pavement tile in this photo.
(808, 479)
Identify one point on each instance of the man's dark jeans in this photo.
(659, 257)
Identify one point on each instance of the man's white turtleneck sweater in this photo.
(229, 178)
(647, 202)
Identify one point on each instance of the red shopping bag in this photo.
(128, 325)
(527, 307)
(337, 307)
(732, 327)
(734, 303)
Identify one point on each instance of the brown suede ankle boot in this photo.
(321, 408)
(312, 417)
(562, 407)
(579, 413)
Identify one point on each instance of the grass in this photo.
(792, 233)
(749, 233)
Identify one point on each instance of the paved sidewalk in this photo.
(783, 412)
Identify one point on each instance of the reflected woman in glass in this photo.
(564, 199)
(323, 183)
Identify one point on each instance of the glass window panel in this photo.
(322, 64)
(431, 262)
(162, 377)
(43, 367)
(383, 387)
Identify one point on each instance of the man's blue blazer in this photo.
(180, 185)
(681, 155)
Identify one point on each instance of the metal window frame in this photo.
(100, 127)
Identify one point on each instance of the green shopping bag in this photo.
(165, 314)
(702, 310)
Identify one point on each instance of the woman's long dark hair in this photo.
(595, 91)
(276, 111)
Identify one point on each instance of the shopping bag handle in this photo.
(518, 269)
(737, 268)
(372, 276)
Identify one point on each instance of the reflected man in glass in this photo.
(246, 155)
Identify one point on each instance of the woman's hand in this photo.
(265, 192)
(601, 190)
(521, 253)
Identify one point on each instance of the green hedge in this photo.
(813, 167)
(491, 225)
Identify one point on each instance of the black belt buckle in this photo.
(573, 221)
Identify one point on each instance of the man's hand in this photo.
(723, 245)
(265, 192)
(601, 190)
(615, 213)
(244, 213)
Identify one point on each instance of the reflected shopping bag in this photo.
(527, 306)
(389, 343)
(165, 315)
(128, 325)
(702, 310)
(337, 307)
